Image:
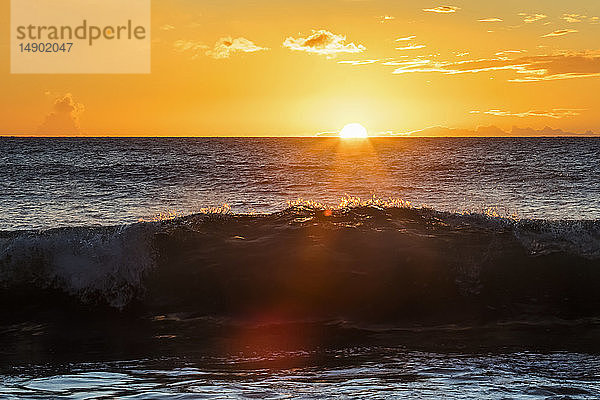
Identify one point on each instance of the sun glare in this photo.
(353, 131)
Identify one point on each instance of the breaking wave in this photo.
(374, 262)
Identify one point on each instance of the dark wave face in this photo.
(366, 265)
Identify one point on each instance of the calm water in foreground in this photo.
(366, 373)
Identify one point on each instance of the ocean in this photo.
(300, 268)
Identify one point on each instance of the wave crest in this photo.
(110, 262)
(361, 260)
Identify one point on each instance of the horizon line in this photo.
(29, 136)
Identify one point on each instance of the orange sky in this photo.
(270, 68)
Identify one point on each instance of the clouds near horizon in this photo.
(64, 117)
(492, 131)
(557, 113)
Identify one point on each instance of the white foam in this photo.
(87, 262)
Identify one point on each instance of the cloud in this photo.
(64, 117)
(490, 20)
(480, 65)
(574, 18)
(405, 39)
(188, 46)
(442, 9)
(385, 18)
(561, 66)
(227, 46)
(323, 42)
(410, 65)
(505, 53)
(411, 47)
(529, 69)
(556, 113)
(166, 27)
(530, 18)
(224, 48)
(492, 131)
(359, 62)
(560, 32)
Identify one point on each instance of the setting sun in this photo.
(353, 131)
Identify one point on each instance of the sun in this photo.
(353, 131)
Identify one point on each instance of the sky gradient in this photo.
(279, 68)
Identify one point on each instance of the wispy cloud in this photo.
(577, 18)
(227, 46)
(359, 62)
(405, 39)
(408, 46)
(505, 53)
(492, 131)
(323, 42)
(386, 18)
(560, 32)
(443, 9)
(223, 48)
(530, 18)
(529, 69)
(490, 20)
(573, 18)
(411, 47)
(166, 27)
(556, 113)
(196, 49)
(414, 65)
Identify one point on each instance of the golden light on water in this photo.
(353, 131)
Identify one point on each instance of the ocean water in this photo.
(67, 182)
(311, 268)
